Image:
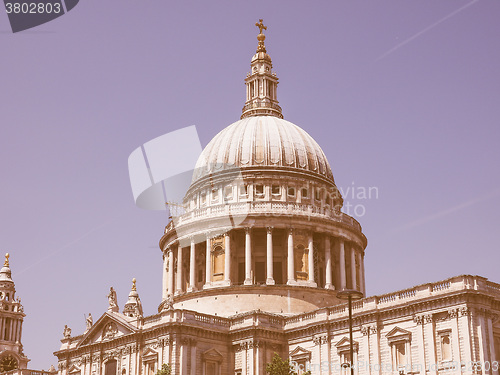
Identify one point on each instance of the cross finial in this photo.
(261, 26)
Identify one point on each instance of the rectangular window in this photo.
(215, 194)
(211, 368)
(275, 190)
(259, 190)
(401, 354)
(203, 198)
(317, 194)
(305, 193)
(244, 190)
(291, 191)
(200, 276)
(446, 347)
(228, 192)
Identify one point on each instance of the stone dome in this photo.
(263, 142)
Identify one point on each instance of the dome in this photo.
(263, 142)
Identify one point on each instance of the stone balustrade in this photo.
(457, 283)
(259, 208)
(27, 371)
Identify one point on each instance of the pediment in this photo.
(398, 334)
(344, 344)
(108, 327)
(73, 369)
(300, 353)
(149, 355)
(213, 355)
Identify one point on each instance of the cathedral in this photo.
(253, 265)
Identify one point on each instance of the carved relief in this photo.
(317, 340)
(110, 331)
(465, 311)
(418, 319)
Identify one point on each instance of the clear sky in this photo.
(402, 96)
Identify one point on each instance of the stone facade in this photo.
(253, 261)
(450, 326)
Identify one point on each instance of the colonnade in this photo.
(173, 281)
(10, 329)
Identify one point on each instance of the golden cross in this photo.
(260, 25)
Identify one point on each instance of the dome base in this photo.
(287, 300)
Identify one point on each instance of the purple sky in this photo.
(401, 95)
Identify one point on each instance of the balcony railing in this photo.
(26, 371)
(274, 208)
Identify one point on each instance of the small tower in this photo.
(133, 307)
(11, 322)
(261, 83)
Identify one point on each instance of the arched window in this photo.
(218, 257)
(301, 262)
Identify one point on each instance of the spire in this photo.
(133, 307)
(261, 82)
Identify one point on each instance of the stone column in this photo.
(310, 259)
(481, 333)
(270, 256)
(353, 268)
(464, 322)
(170, 272)
(193, 358)
(419, 320)
(227, 258)
(455, 338)
(290, 259)
(430, 337)
(360, 261)
(328, 261)
(192, 266)
(342, 263)
(362, 269)
(20, 330)
(493, 359)
(183, 356)
(179, 270)
(164, 292)
(208, 263)
(250, 358)
(12, 329)
(248, 257)
(365, 331)
(13, 326)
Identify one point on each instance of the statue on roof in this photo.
(89, 321)
(66, 332)
(113, 306)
